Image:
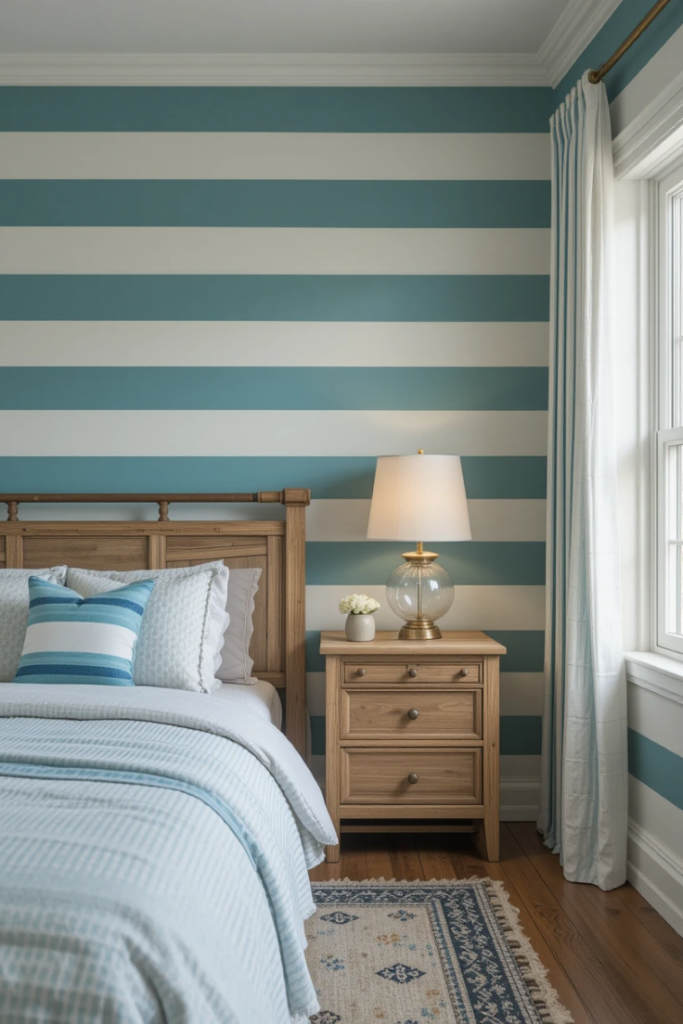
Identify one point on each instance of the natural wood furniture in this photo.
(278, 548)
(413, 734)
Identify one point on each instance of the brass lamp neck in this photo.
(419, 555)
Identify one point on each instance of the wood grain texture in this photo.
(277, 548)
(444, 671)
(416, 777)
(412, 733)
(625, 970)
(411, 714)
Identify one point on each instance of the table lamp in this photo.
(419, 496)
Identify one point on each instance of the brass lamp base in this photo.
(420, 629)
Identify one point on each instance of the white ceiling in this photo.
(277, 26)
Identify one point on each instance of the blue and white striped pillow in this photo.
(71, 639)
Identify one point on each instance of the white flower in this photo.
(358, 604)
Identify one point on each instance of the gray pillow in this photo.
(14, 613)
(236, 662)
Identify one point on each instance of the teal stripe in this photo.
(317, 297)
(277, 204)
(525, 648)
(474, 563)
(279, 387)
(327, 477)
(277, 109)
(614, 31)
(656, 766)
(519, 734)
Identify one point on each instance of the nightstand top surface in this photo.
(452, 642)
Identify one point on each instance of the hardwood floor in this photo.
(609, 955)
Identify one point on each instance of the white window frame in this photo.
(669, 409)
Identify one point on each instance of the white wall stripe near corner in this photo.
(521, 693)
(275, 155)
(270, 343)
(494, 607)
(654, 716)
(173, 250)
(499, 520)
(254, 432)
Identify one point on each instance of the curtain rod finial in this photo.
(594, 77)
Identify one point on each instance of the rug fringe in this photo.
(535, 975)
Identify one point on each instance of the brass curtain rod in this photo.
(597, 76)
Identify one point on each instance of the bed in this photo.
(155, 843)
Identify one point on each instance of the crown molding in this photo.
(321, 69)
(578, 24)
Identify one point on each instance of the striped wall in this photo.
(237, 289)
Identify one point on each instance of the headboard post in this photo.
(295, 501)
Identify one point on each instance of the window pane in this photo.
(677, 312)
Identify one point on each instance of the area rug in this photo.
(414, 952)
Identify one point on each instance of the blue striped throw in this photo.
(71, 639)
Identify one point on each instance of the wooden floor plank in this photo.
(669, 940)
(436, 864)
(629, 951)
(377, 857)
(405, 860)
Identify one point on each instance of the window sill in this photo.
(656, 672)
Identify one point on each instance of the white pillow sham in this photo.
(14, 602)
(237, 664)
(182, 631)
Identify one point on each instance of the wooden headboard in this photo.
(278, 548)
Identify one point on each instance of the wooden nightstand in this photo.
(413, 733)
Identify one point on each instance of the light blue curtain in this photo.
(583, 814)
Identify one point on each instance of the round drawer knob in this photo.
(360, 672)
(413, 778)
(412, 672)
(463, 672)
(413, 714)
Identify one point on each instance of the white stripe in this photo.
(95, 250)
(269, 343)
(499, 520)
(86, 637)
(327, 519)
(521, 693)
(503, 607)
(269, 432)
(274, 155)
(659, 719)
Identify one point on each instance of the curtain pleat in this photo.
(583, 813)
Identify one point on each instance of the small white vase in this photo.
(360, 627)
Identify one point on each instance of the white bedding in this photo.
(70, 753)
(261, 699)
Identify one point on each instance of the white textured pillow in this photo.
(237, 664)
(182, 630)
(14, 603)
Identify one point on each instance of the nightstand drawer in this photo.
(411, 713)
(373, 671)
(409, 776)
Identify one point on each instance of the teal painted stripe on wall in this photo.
(337, 477)
(240, 387)
(625, 18)
(474, 563)
(345, 204)
(656, 766)
(277, 109)
(519, 734)
(344, 297)
(525, 650)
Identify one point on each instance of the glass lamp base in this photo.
(419, 629)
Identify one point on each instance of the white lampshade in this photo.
(419, 498)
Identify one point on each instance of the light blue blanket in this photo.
(152, 871)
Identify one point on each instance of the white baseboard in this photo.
(657, 873)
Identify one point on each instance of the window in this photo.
(670, 436)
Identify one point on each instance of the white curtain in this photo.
(583, 814)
